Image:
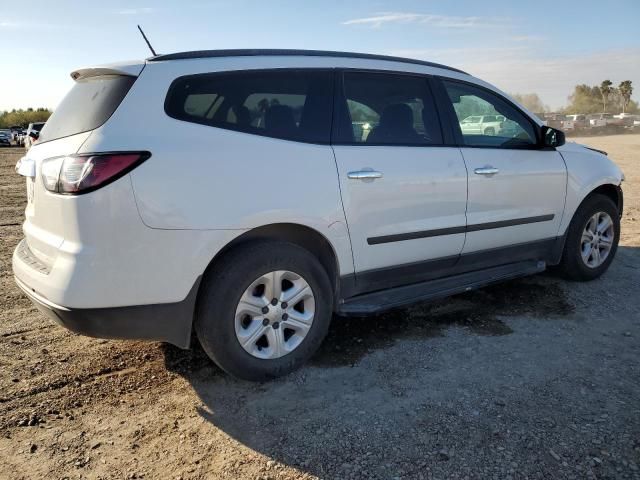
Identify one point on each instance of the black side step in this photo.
(433, 289)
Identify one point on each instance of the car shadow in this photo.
(328, 418)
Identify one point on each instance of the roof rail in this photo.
(291, 52)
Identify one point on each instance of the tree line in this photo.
(603, 98)
(23, 118)
(585, 99)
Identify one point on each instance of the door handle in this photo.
(364, 175)
(486, 171)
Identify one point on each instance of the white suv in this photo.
(273, 210)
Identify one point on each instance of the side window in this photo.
(203, 105)
(387, 109)
(288, 104)
(486, 120)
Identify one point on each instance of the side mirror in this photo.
(552, 137)
(33, 134)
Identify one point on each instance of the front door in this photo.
(404, 193)
(516, 189)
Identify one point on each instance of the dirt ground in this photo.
(537, 378)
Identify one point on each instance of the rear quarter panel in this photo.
(205, 178)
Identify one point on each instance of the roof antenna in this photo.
(147, 40)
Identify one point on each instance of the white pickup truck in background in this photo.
(482, 124)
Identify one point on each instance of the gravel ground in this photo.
(536, 378)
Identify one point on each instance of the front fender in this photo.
(587, 170)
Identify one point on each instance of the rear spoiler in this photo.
(127, 69)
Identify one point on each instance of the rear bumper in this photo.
(164, 322)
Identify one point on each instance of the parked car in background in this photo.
(600, 119)
(579, 120)
(275, 210)
(559, 121)
(33, 128)
(5, 137)
(624, 119)
(482, 124)
(510, 129)
(18, 137)
(21, 137)
(15, 132)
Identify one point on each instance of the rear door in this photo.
(404, 192)
(516, 189)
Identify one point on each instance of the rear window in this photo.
(387, 109)
(88, 105)
(288, 104)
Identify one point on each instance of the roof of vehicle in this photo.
(291, 52)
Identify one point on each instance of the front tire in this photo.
(592, 239)
(264, 310)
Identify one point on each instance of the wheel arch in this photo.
(608, 186)
(614, 192)
(306, 237)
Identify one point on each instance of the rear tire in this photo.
(267, 353)
(579, 260)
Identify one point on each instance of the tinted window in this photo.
(387, 109)
(289, 104)
(501, 124)
(88, 105)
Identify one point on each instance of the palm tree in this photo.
(625, 90)
(605, 91)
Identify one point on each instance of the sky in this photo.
(540, 46)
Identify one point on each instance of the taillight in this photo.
(77, 174)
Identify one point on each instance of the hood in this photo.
(572, 147)
(579, 148)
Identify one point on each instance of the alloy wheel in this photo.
(597, 239)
